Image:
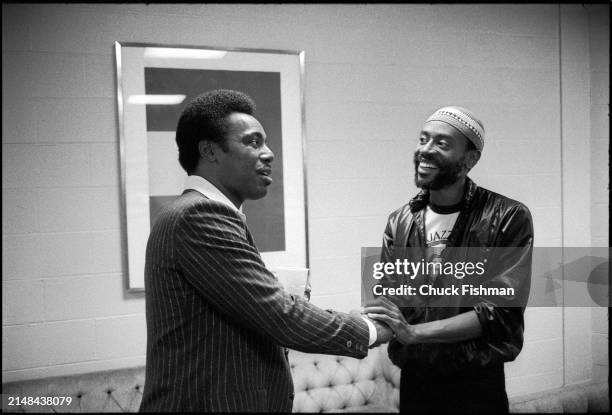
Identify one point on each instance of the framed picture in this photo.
(154, 83)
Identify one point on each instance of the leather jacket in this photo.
(486, 220)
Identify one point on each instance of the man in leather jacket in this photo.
(452, 354)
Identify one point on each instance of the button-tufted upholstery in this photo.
(329, 383)
(108, 391)
(322, 383)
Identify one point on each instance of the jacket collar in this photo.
(422, 198)
(209, 190)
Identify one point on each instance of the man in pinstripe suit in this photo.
(217, 319)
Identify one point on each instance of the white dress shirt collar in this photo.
(209, 190)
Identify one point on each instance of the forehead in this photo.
(439, 128)
(240, 124)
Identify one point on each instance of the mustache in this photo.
(434, 159)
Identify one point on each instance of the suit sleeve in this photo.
(217, 259)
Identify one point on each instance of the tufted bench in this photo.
(107, 391)
(322, 383)
(331, 383)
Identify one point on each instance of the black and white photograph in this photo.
(294, 207)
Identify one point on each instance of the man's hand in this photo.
(385, 311)
(383, 333)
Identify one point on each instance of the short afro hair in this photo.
(204, 119)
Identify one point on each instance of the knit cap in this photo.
(463, 120)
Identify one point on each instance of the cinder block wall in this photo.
(373, 74)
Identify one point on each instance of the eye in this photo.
(253, 141)
(423, 140)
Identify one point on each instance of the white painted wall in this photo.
(373, 74)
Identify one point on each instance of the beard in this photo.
(449, 172)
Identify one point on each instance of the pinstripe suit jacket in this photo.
(217, 319)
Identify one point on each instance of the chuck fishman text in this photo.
(465, 289)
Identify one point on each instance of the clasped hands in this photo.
(389, 322)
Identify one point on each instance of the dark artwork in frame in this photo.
(265, 217)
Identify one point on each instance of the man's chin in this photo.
(259, 194)
(434, 184)
(428, 186)
(423, 183)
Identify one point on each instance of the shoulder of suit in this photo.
(192, 201)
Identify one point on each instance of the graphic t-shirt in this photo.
(439, 222)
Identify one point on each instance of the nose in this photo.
(266, 154)
(427, 147)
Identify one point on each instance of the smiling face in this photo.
(441, 157)
(245, 167)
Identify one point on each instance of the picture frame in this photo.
(154, 83)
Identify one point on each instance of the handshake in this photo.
(384, 314)
(388, 320)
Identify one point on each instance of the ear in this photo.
(471, 158)
(207, 150)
